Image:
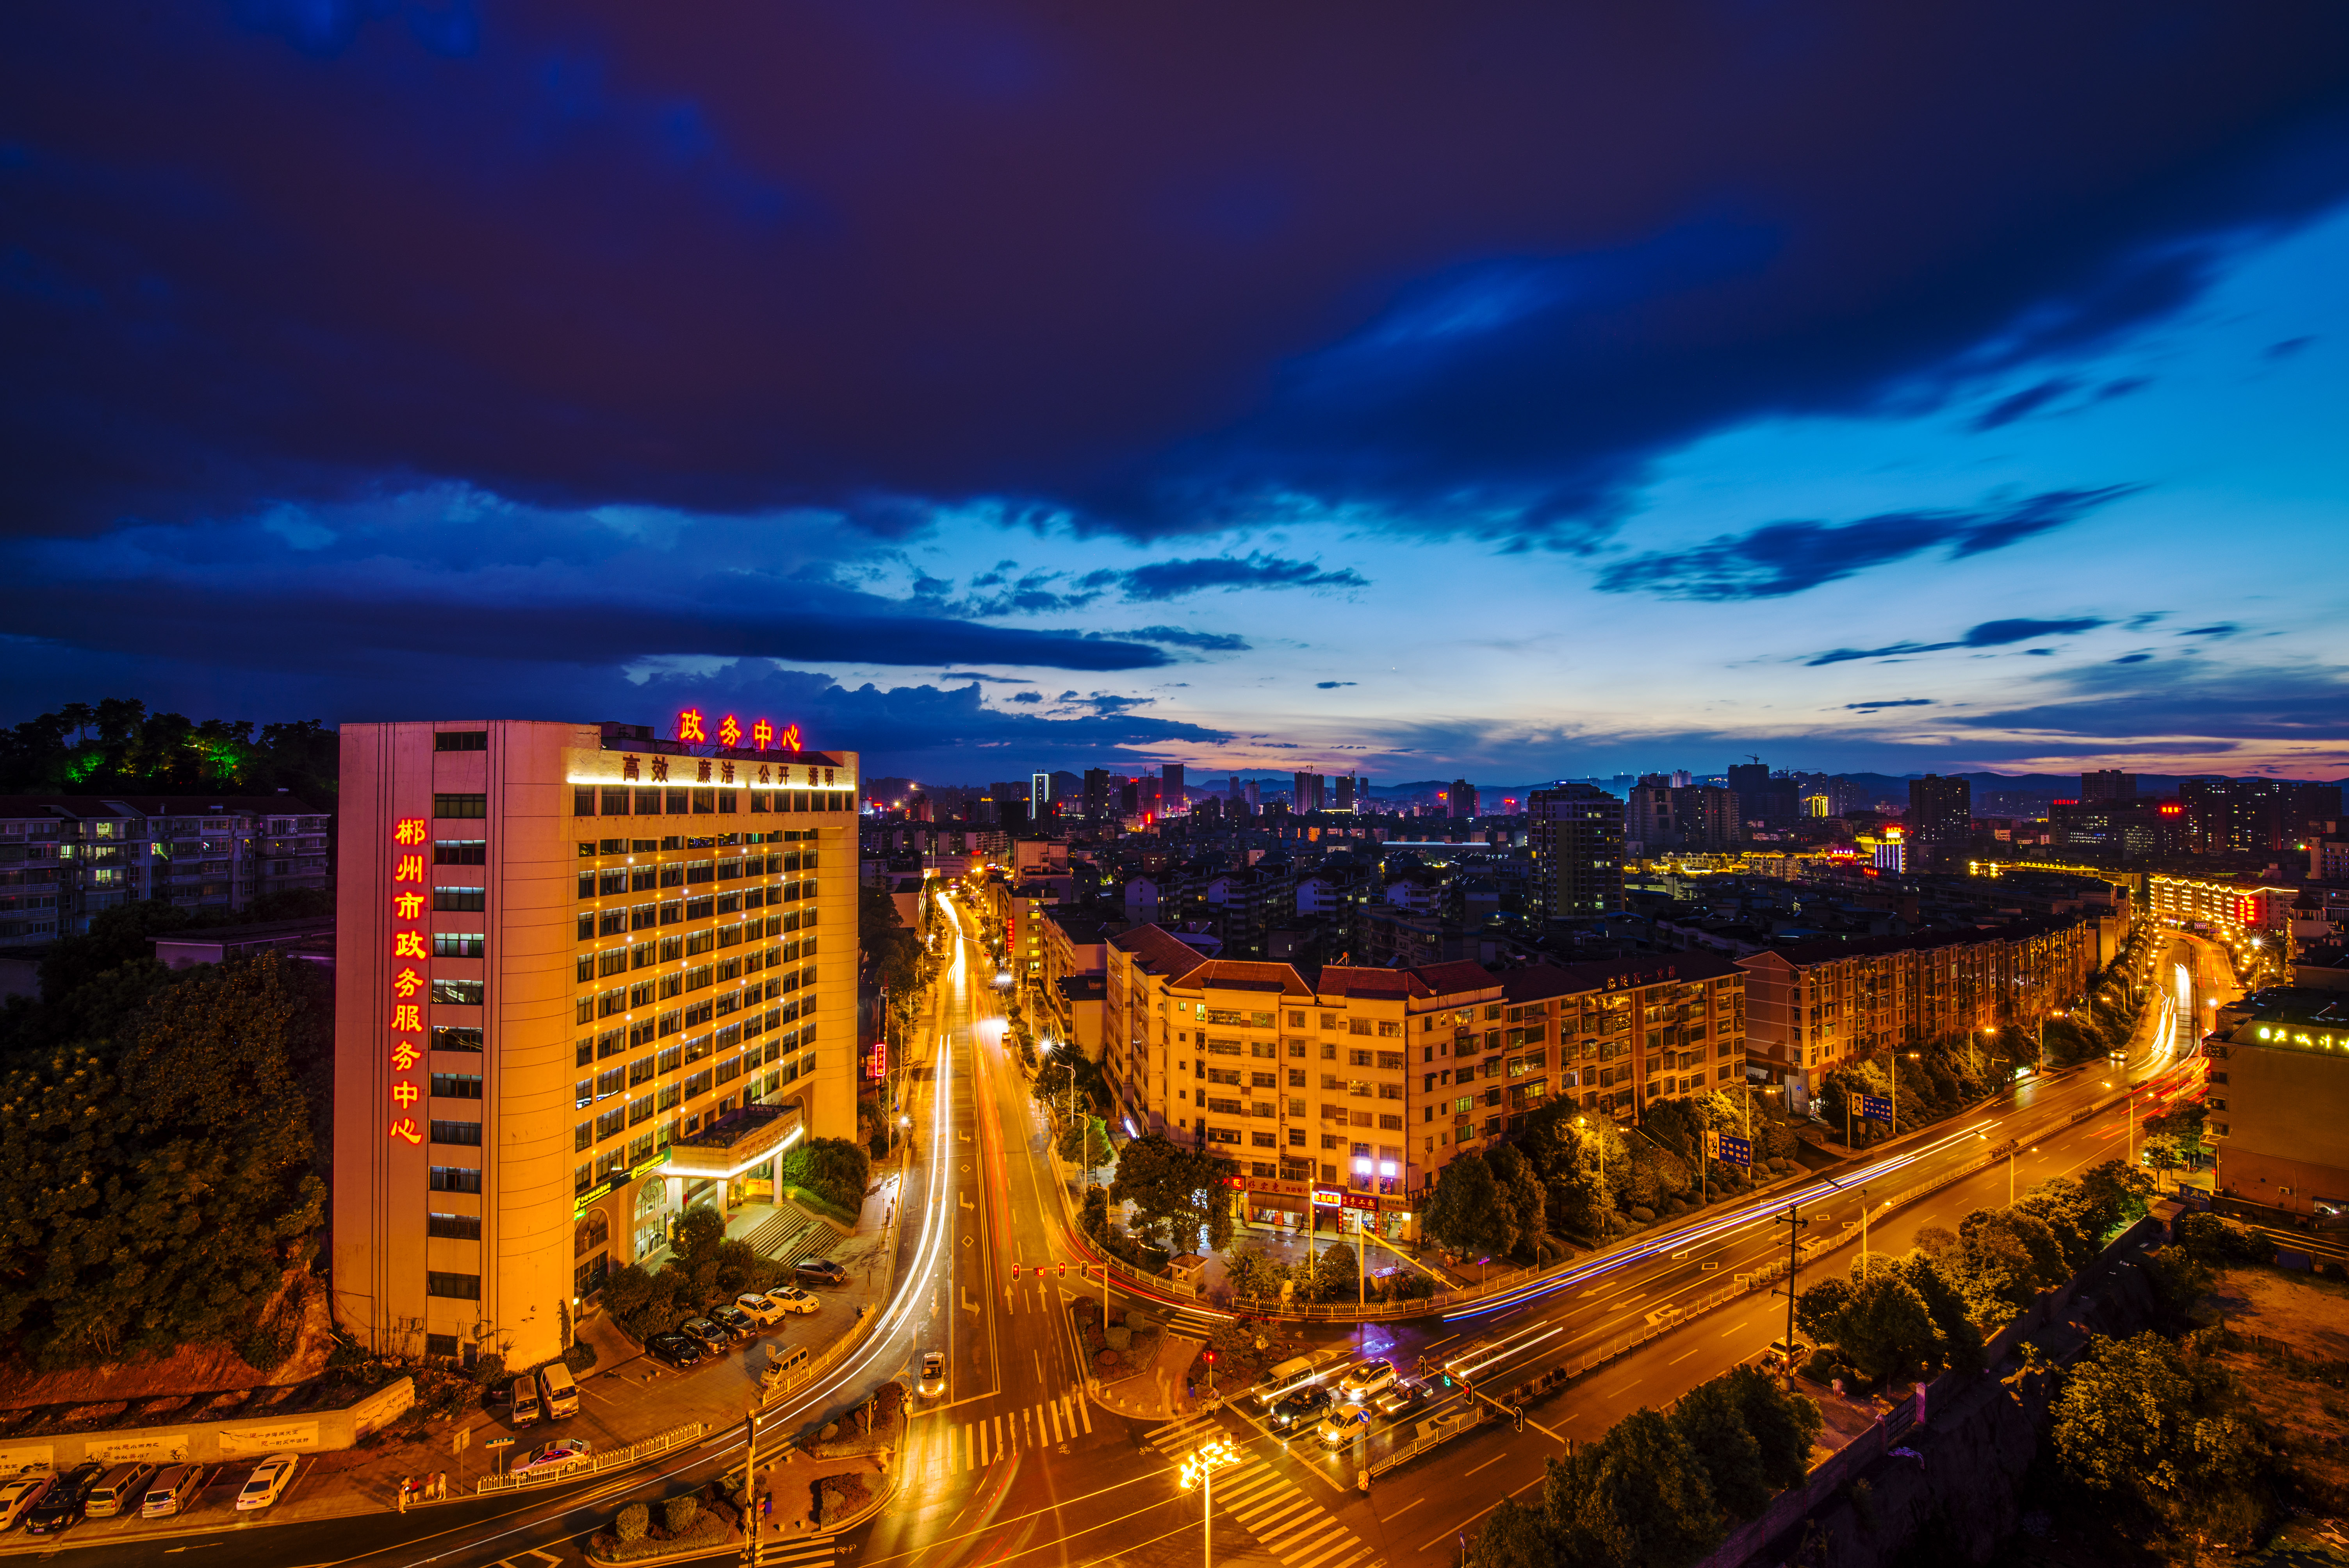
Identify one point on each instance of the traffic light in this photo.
(1014, 1271)
(1211, 1358)
(1064, 1271)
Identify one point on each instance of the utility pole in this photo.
(1863, 1232)
(753, 1547)
(1793, 1221)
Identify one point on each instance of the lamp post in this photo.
(1199, 1470)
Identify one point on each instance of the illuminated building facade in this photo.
(587, 979)
(2278, 1104)
(1369, 1081)
(2230, 906)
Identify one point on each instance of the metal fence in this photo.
(815, 1366)
(595, 1464)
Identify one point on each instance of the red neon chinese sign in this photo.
(407, 984)
(694, 727)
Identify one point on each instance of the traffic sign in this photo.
(1876, 1107)
(1734, 1150)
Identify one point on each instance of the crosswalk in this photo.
(814, 1552)
(989, 1440)
(1285, 1521)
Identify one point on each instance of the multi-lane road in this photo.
(1012, 1465)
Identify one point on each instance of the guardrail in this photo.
(807, 1371)
(595, 1464)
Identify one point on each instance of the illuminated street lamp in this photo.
(1199, 1470)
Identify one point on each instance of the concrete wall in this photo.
(211, 1442)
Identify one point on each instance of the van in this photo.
(1295, 1372)
(118, 1489)
(557, 1392)
(173, 1491)
(522, 1401)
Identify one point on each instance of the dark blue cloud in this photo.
(1183, 637)
(2223, 629)
(1179, 579)
(1333, 685)
(1782, 558)
(1897, 702)
(2123, 701)
(1988, 634)
(886, 259)
(2009, 408)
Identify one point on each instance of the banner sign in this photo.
(1876, 1107)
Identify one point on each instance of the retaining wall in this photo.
(210, 1442)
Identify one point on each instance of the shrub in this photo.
(678, 1513)
(1822, 1365)
(633, 1523)
(580, 1356)
(1106, 1359)
(1118, 1336)
(1644, 1216)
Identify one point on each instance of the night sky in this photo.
(1508, 389)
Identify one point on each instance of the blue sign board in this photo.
(1876, 1107)
(1736, 1150)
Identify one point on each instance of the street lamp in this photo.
(1199, 1470)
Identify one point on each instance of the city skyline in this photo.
(372, 367)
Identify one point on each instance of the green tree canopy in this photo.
(834, 1169)
(1177, 1193)
(1469, 1212)
(2142, 1419)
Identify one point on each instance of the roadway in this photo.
(1013, 1466)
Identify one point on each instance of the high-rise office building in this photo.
(1345, 792)
(1172, 801)
(1577, 837)
(2255, 816)
(1751, 783)
(1460, 799)
(1939, 823)
(1040, 797)
(565, 931)
(1305, 793)
(2108, 784)
(1255, 797)
(1097, 798)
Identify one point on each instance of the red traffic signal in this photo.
(1211, 1358)
(1014, 1271)
(1064, 1271)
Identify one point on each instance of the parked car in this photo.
(760, 1310)
(1401, 1398)
(63, 1505)
(674, 1350)
(173, 1491)
(124, 1486)
(562, 1454)
(711, 1337)
(267, 1482)
(933, 1374)
(558, 1391)
(820, 1270)
(1793, 1352)
(1343, 1425)
(20, 1492)
(734, 1321)
(1362, 1382)
(791, 1298)
(522, 1401)
(1299, 1407)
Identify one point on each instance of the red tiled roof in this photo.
(1350, 980)
(1460, 975)
(1249, 975)
(1158, 952)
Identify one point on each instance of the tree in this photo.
(2142, 1419)
(1335, 1272)
(1638, 1495)
(1784, 1424)
(1711, 1418)
(1513, 1174)
(159, 1192)
(1084, 1143)
(834, 1169)
(1254, 1271)
(1469, 1212)
(1176, 1192)
(1512, 1535)
(1960, 1340)
(1885, 1327)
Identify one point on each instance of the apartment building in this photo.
(1370, 1080)
(2227, 906)
(1814, 1005)
(587, 979)
(1576, 832)
(2278, 1103)
(67, 858)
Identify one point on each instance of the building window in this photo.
(468, 1133)
(461, 805)
(458, 993)
(461, 900)
(460, 852)
(453, 1227)
(442, 1347)
(461, 740)
(455, 1179)
(457, 1085)
(456, 1037)
(453, 1286)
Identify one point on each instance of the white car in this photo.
(20, 1492)
(267, 1482)
(562, 1454)
(933, 1374)
(1343, 1425)
(1362, 1382)
(791, 1298)
(760, 1309)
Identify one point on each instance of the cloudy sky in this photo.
(1515, 389)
